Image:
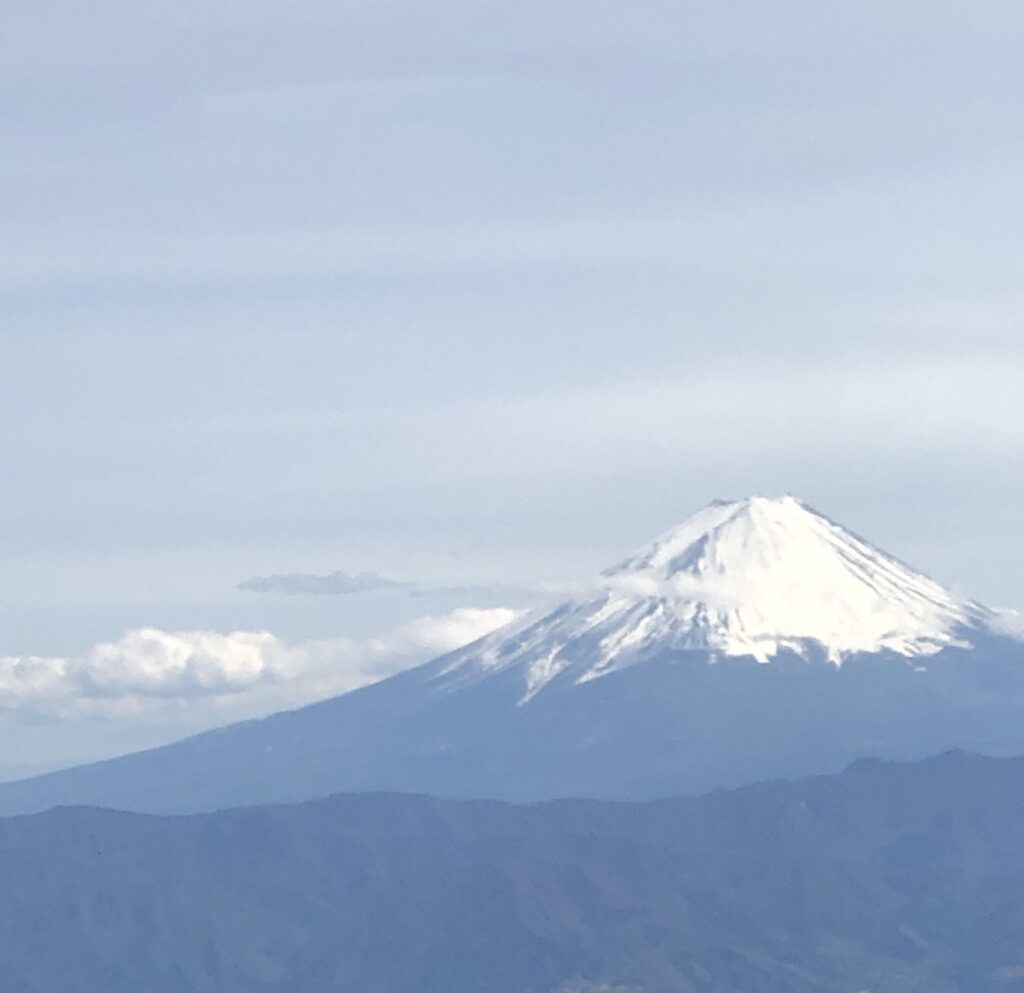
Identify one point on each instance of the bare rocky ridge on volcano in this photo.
(757, 639)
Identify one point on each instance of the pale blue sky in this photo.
(475, 294)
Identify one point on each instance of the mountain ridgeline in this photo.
(757, 639)
(888, 878)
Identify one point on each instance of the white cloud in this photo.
(150, 686)
(243, 673)
(1009, 622)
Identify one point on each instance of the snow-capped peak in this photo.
(760, 574)
(753, 577)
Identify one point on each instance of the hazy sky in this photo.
(476, 297)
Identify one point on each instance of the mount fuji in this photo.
(757, 639)
(754, 578)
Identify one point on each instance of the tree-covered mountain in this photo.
(889, 877)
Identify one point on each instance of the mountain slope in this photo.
(889, 878)
(758, 639)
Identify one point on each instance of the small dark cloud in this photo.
(331, 584)
(343, 584)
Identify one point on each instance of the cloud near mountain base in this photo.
(148, 670)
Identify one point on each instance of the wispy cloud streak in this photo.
(330, 584)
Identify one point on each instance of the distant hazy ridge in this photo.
(889, 878)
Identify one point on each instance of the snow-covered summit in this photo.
(753, 577)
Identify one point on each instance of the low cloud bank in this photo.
(148, 670)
